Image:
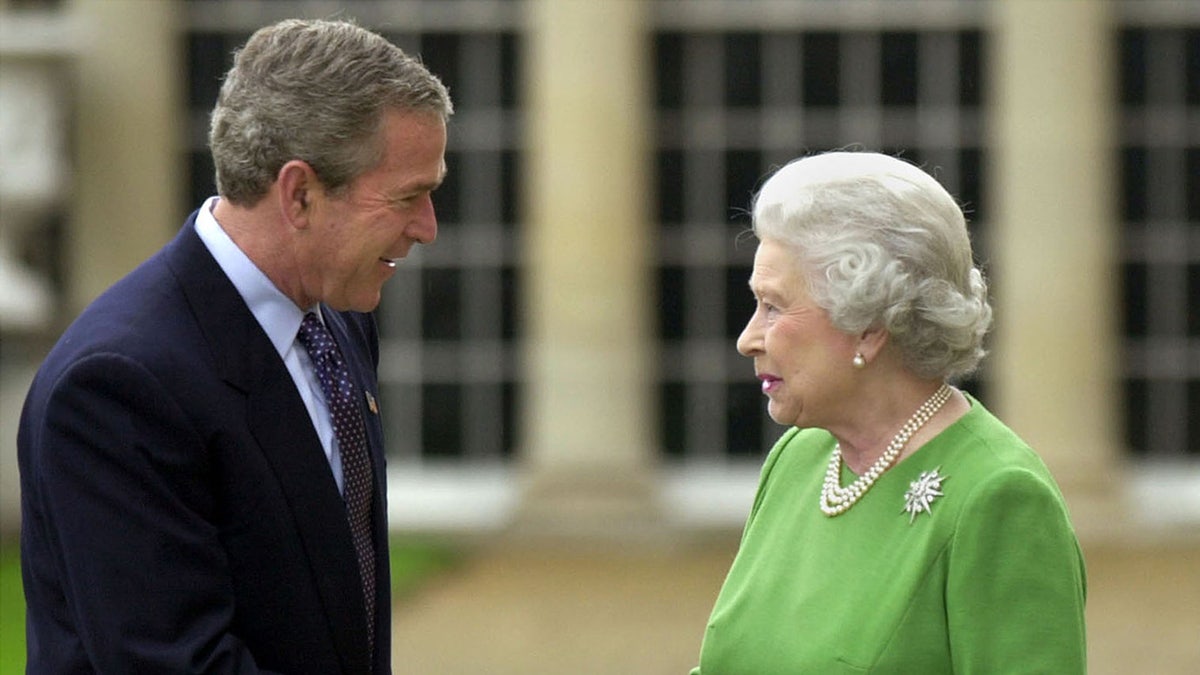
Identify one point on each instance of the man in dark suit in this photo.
(201, 457)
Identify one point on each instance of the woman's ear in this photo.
(870, 343)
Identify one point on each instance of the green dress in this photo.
(989, 580)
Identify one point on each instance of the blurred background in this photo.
(573, 440)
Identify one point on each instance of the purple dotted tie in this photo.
(352, 440)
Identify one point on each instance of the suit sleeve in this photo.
(126, 504)
(1016, 584)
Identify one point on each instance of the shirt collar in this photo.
(279, 317)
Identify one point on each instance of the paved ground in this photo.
(507, 610)
(550, 610)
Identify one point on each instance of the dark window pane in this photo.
(209, 56)
(744, 173)
(1136, 397)
(441, 420)
(1192, 66)
(745, 427)
(440, 54)
(1193, 301)
(1134, 278)
(510, 185)
(202, 178)
(1133, 185)
(668, 70)
(510, 64)
(670, 309)
(821, 69)
(970, 191)
(971, 83)
(669, 183)
(509, 297)
(440, 303)
(1132, 64)
(1193, 418)
(1192, 164)
(508, 416)
(898, 55)
(671, 405)
(447, 199)
(743, 65)
(739, 302)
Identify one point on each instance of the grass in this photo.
(413, 562)
(12, 612)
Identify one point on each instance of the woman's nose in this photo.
(749, 342)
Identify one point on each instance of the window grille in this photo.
(739, 94)
(448, 318)
(741, 87)
(1159, 144)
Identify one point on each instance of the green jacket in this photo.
(989, 580)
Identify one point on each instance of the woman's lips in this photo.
(769, 383)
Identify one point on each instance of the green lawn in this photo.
(412, 563)
(12, 612)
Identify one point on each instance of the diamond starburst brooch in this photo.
(921, 493)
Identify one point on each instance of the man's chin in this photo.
(364, 305)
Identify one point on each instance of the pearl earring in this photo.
(859, 360)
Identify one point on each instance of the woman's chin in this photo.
(778, 415)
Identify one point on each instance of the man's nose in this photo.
(423, 227)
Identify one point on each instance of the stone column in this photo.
(129, 130)
(116, 71)
(37, 55)
(1054, 268)
(587, 455)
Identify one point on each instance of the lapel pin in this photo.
(371, 404)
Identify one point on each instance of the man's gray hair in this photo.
(315, 91)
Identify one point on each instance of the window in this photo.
(739, 94)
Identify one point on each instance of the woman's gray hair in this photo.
(882, 244)
(315, 91)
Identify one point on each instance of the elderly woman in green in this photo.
(899, 527)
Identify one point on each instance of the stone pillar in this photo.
(37, 58)
(129, 132)
(34, 159)
(117, 65)
(587, 455)
(1054, 264)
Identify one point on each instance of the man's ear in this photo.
(297, 183)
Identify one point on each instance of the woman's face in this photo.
(803, 362)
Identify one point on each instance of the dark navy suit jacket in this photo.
(178, 511)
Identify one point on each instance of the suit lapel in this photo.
(320, 514)
(274, 411)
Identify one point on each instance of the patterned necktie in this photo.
(351, 434)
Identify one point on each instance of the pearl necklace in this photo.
(835, 499)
